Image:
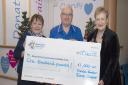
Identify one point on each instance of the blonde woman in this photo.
(109, 67)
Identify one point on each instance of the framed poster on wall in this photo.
(14, 11)
(82, 11)
(8, 64)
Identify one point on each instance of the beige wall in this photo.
(118, 21)
(122, 28)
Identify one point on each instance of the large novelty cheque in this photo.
(61, 61)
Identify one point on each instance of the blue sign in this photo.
(4, 64)
(88, 8)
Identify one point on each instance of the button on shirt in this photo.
(74, 33)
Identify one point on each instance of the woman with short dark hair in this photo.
(36, 26)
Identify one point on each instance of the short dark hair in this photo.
(37, 17)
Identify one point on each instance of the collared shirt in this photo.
(74, 33)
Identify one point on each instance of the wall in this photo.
(122, 28)
(1, 26)
(11, 19)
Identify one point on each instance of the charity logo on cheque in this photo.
(35, 45)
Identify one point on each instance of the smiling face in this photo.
(36, 23)
(101, 21)
(36, 26)
(66, 16)
(101, 18)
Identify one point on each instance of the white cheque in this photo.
(61, 61)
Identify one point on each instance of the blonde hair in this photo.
(101, 10)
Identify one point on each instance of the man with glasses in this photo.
(66, 30)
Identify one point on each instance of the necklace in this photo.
(99, 36)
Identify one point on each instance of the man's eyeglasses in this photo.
(64, 14)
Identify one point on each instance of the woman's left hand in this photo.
(101, 82)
